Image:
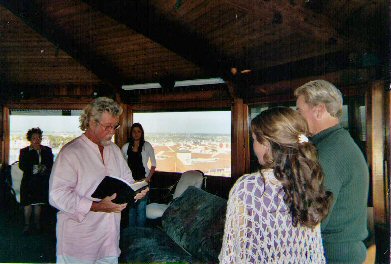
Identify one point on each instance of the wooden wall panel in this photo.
(1, 135)
(378, 117)
(387, 118)
(52, 96)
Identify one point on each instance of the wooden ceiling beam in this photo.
(189, 96)
(222, 104)
(33, 16)
(144, 19)
(351, 82)
(316, 65)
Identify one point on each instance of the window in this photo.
(345, 117)
(59, 127)
(363, 128)
(189, 140)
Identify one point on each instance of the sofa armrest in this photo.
(195, 221)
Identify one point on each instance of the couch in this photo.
(191, 232)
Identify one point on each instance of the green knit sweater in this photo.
(347, 177)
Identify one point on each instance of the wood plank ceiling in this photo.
(26, 57)
(61, 42)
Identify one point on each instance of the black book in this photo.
(124, 190)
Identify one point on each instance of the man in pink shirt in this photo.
(87, 228)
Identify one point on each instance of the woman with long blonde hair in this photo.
(274, 214)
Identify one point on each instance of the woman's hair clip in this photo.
(302, 138)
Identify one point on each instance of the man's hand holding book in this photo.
(116, 194)
(107, 206)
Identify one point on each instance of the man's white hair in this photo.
(321, 91)
(95, 109)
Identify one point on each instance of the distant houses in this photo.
(209, 156)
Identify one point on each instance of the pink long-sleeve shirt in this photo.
(76, 173)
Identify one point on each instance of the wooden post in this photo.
(240, 162)
(375, 149)
(126, 119)
(5, 144)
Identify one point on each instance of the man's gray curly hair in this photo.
(95, 109)
(321, 91)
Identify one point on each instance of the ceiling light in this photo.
(141, 86)
(199, 82)
(245, 71)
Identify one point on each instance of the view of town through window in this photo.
(189, 140)
(182, 140)
(58, 129)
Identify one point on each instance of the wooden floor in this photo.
(34, 248)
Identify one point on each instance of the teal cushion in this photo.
(195, 221)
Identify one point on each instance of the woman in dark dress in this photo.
(138, 153)
(36, 162)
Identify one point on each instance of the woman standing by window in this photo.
(138, 152)
(36, 162)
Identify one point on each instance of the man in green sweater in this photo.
(345, 169)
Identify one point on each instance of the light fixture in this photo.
(199, 82)
(246, 71)
(141, 86)
(195, 82)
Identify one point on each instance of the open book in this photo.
(124, 190)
